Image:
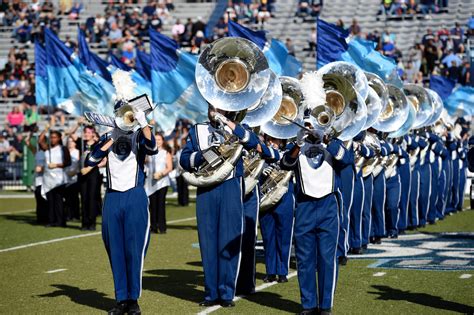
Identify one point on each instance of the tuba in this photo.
(233, 75)
(274, 188)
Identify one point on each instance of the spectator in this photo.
(290, 46)
(453, 71)
(355, 29)
(303, 8)
(23, 33)
(415, 55)
(340, 24)
(428, 36)
(431, 56)
(115, 36)
(427, 7)
(150, 8)
(465, 77)
(412, 7)
(388, 37)
(177, 30)
(12, 86)
(75, 10)
(15, 118)
(312, 42)
(385, 7)
(199, 25)
(374, 37)
(457, 34)
(3, 86)
(4, 146)
(263, 16)
(451, 59)
(388, 48)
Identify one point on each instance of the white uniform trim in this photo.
(340, 154)
(398, 203)
(287, 164)
(151, 148)
(292, 230)
(241, 235)
(361, 212)
(383, 205)
(246, 137)
(93, 159)
(192, 159)
(144, 245)
(335, 253)
(429, 195)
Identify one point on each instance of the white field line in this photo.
(257, 289)
(15, 212)
(55, 270)
(74, 237)
(19, 196)
(379, 274)
(465, 276)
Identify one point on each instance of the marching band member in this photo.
(246, 279)
(425, 181)
(415, 184)
(378, 201)
(219, 208)
(126, 223)
(157, 182)
(347, 175)
(393, 191)
(404, 171)
(276, 227)
(452, 153)
(368, 183)
(356, 214)
(54, 178)
(462, 169)
(435, 152)
(317, 213)
(443, 180)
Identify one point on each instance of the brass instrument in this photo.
(253, 167)
(233, 75)
(274, 188)
(395, 113)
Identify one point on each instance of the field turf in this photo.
(73, 275)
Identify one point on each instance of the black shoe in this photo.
(91, 228)
(154, 230)
(364, 247)
(119, 309)
(311, 311)
(133, 308)
(269, 278)
(393, 235)
(325, 312)
(227, 303)
(282, 279)
(432, 222)
(207, 303)
(343, 260)
(162, 232)
(245, 292)
(356, 251)
(402, 232)
(84, 228)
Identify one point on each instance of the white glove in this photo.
(300, 137)
(218, 117)
(140, 117)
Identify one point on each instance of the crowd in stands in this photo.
(399, 8)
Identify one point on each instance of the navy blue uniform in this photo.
(405, 181)
(378, 198)
(392, 210)
(219, 212)
(413, 220)
(425, 181)
(125, 217)
(317, 219)
(462, 173)
(246, 278)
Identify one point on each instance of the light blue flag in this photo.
(41, 75)
(70, 85)
(460, 102)
(279, 60)
(362, 53)
(173, 80)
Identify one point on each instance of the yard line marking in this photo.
(465, 276)
(257, 289)
(74, 237)
(15, 212)
(56, 270)
(379, 274)
(19, 196)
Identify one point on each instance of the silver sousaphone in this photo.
(422, 103)
(377, 98)
(290, 110)
(232, 74)
(395, 113)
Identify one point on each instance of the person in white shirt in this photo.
(157, 182)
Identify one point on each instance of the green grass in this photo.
(173, 278)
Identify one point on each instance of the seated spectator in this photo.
(315, 9)
(453, 72)
(70, 43)
(156, 23)
(388, 36)
(15, 118)
(128, 52)
(150, 8)
(443, 35)
(457, 34)
(428, 36)
(374, 37)
(385, 7)
(75, 10)
(23, 33)
(47, 7)
(23, 85)
(312, 43)
(465, 77)
(388, 49)
(412, 7)
(263, 16)
(3, 86)
(115, 36)
(12, 86)
(199, 25)
(428, 6)
(303, 8)
(397, 7)
(4, 147)
(196, 42)
(177, 30)
(163, 13)
(450, 59)
(355, 29)
(132, 22)
(290, 47)
(340, 24)
(170, 5)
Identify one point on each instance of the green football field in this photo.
(63, 270)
